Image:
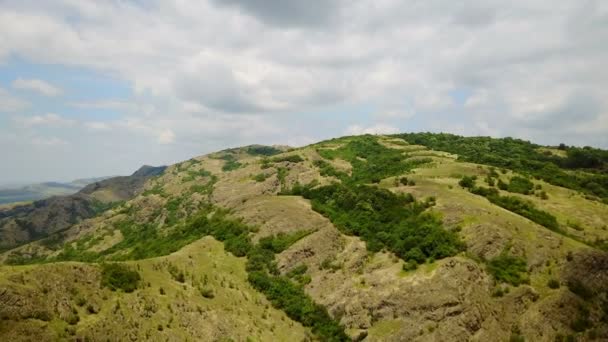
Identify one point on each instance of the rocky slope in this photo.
(506, 277)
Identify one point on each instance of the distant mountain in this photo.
(38, 191)
(21, 223)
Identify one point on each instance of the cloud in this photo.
(50, 119)
(39, 86)
(97, 126)
(374, 129)
(225, 73)
(10, 103)
(103, 104)
(166, 137)
(287, 13)
(49, 142)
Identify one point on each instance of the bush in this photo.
(467, 182)
(294, 158)
(509, 269)
(263, 150)
(326, 169)
(578, 288)
(207, 293)
(520, 185)
(553, 284)
(260, 177)
(117, 276)
(231, 162)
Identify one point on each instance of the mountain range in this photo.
(37, 191)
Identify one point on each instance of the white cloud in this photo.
(103, 104)
(225, 74)
(49, 142)
(39, 86)
(374, 129)
(166, 137)
(97, 125)
(10, 103)
(395, 114)
(49, 119)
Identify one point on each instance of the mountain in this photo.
(407, 237)
(22, 223)
(39, 191)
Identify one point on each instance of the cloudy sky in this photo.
(94, 88)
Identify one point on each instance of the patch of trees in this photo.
(519, 185)
(583, 169)
(383, 219)
(371, 161)
(263, 151)
(294, 158)
(327, 170)
(231, 162)
(116, 276)
(515, 204)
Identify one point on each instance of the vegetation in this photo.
(520, 185)
(286, 294)
(383, 219)
(294, 158)
(509, 269)
(583, 169)
(263, 150)
(260, 177)
(230, 162)
(512, 203)
(327, 170)
(371, 161)
(192, 175)
(553, 284)
(117, 276)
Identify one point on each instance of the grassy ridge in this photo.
(583, 169)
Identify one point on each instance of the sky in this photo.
(97, 88)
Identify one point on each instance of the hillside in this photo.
(410, 237)
(23, 222)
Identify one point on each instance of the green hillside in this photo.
(409, 237)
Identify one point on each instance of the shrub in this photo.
(509, 269)
(207, 293)
(467, 182)
(294, 158)
(117, 276)
(326, 169)
(230, 162)
(410, 265)
(260, 177)
(578, 288)
(553, 283)
(520, 185)
(262, 150)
